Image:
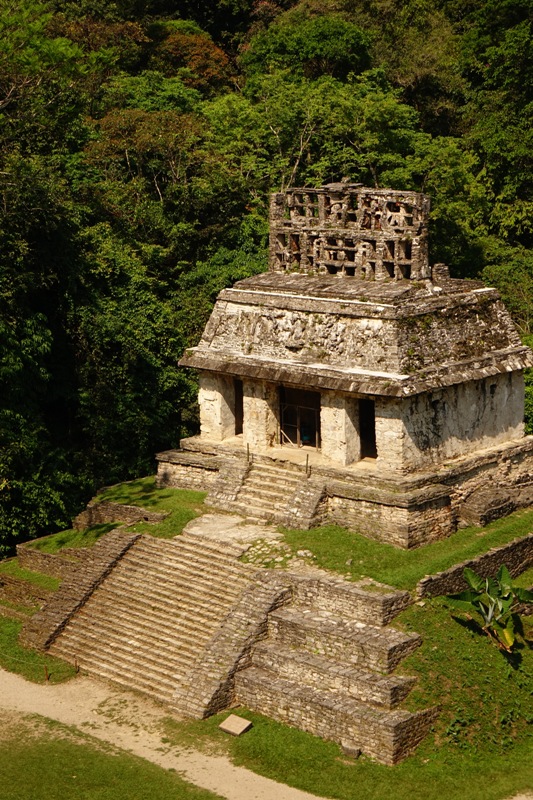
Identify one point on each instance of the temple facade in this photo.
(354, 383)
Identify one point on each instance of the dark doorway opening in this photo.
(367, 428)
(299, 418)
(239, 408)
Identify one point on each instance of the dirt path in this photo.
(132, 723)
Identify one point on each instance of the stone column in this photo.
(217, 406)
(390, 432)
(339, 429)
(260, 425)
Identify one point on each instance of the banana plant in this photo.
(493, 603)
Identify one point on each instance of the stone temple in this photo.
(353, 383)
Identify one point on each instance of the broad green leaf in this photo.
(474, 580)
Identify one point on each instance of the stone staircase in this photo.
(325, 669)
(145, 624)
(186, 623)
(267, 491)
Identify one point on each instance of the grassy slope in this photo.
(53, 762)
(182, 504)
(30, 664)
(353, 554)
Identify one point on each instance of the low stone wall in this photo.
(308, 507)
(17, 590)
(372, 603)
(187, 470)
(227, 483)
(77, 587)
(98, 512)
(360, 727)
(402, 520)
(57, 565)
(517, 557)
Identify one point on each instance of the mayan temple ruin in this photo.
(351, 383)
(354, 383)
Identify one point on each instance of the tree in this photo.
(309, 46)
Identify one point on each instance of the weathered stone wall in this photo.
(462, 419)
(517, 556)
(308, 507)
(397, 525)
(210, 686)
(369, 602)
(390, 433)
(308, 335)
(17, 590)
(185, 476)
(98, 512)
(57, 565)
(185, 470)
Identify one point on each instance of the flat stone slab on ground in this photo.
(235, 725)
(229, 528)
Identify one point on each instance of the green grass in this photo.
(183, 505)
(11, 567)
(72, 538)
(50, 762)
(31, 665)
(341, 551)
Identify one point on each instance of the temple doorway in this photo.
(299, 418)
(367, 428)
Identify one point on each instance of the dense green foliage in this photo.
(138, 144)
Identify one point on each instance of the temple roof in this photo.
(395, 338)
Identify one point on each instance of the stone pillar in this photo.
(217, 406)
(339, 428)
(390, 432)
(260, 426)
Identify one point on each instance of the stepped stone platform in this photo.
(187, 623)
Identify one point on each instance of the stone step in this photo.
(255, 511)
(370, 602)
(122, 628)
(260, 505)
(184, 567)
(291, 471)
(368, 646)
(131, 676)
(169, 595)
(286, 483)
(311, 669)
(275, 497)
(177, 553)
(195, 542)
(200, 573)
(100, 645)
(103, 609)
(387, 736)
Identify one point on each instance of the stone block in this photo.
(235, 725)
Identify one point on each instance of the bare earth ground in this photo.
(132, 723)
